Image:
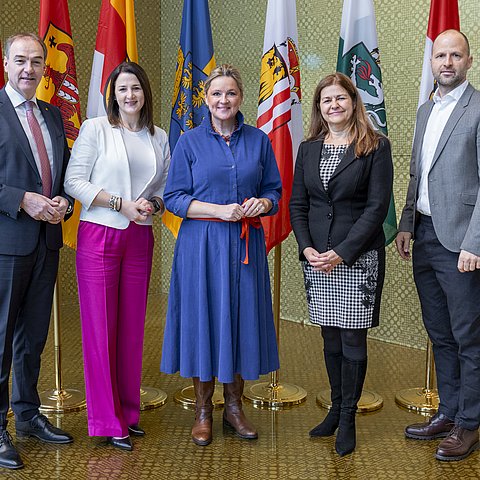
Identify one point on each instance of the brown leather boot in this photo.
(202, 428)
(233, 415)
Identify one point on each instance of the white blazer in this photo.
(99, 162)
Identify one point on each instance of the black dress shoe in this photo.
(9, 457)
(40, 427)
(122, 443)
(136, 430)
(439, 426)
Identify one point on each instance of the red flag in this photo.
(279, 106)
(59, 83)
(443, 16)
(2, 73)
(116, 42)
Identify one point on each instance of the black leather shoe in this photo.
(439, 426)
(122, 443)
(9, 457)
(40, 427)
(136, 430)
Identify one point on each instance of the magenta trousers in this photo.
(113, 272)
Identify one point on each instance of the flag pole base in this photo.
(270, 396)
(151, 397)
(185, 397)
(369, 401)
(420, 400)
(62, 401)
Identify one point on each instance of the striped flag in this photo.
(359, 59)
(116, 42)
(195, 61)
(59, 83)
(280, 106)
(2, 73)
(443, 16)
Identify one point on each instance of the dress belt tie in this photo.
(247, 222)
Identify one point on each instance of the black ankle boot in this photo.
(353, 376)
(333, 362)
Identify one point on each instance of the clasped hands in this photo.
(138, 210)
(39, 207)
(322, 262)
(252, 207)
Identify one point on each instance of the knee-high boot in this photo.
(353, 376)
(233, 415)
(333, 362)
(202, 428)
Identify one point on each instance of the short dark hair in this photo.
(146, 113)
(17, 36)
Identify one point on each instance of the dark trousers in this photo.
(450, 303)
(26, 292)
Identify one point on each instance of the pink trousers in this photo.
(113, 272)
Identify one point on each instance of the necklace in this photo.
(225, 137)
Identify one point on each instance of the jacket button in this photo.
(329, 216)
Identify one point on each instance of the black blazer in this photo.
(353, 210)
(19, 232)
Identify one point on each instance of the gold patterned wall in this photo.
(238, 28)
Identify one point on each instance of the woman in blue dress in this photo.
(222, 179)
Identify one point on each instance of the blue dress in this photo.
(219, 318)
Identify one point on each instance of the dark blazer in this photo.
(353, 210)
(19, 174)
(454, 185)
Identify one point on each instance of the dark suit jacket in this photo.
(19, 232)
(353, 210)
(453, 178)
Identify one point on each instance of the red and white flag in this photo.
(116, 42)
(443, 16)
(280, 106)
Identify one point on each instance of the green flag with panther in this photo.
(359, 59)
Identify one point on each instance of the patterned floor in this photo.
(283, 449)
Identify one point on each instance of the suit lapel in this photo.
(456, 115)
(347, 159)
(10, 115)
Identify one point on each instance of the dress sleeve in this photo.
(179, 188)
(271, 184)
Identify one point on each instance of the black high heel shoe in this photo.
(122, 443)
(136, 430)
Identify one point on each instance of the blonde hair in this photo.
(225, 70)
(360, 130)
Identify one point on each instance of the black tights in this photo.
(351, 342)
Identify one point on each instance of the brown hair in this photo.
(17, 36)
(146, 113)
(360, 130)
(224, 70)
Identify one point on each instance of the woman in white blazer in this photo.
(117, 170)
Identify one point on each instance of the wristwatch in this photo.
(157, 205)
(69, 209)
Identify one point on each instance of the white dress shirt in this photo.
(18, 102)
(441, 111)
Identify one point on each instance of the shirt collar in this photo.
(454, 95)
(17, 98)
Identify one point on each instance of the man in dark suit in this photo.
(442, 211)
(33, 160)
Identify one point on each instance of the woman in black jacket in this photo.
(341, 192)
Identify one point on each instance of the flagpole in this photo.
(422, 399)
(274, 395)
(60, 400)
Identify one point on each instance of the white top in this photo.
(99, 161)
(19, 104)
(141, 159)
(441, 111)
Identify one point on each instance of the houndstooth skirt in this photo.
(348, 297)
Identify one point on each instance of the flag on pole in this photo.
(195, 61)
(359, 59)
(59, 85)
(2, 73)
(116, 42)
(443, 16)
(280, 106)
